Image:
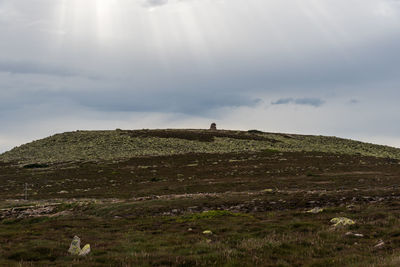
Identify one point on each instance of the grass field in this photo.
(152, 209)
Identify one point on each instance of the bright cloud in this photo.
(199, 61)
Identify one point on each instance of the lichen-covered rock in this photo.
(75, 247)
(85, 250)
(207, 232)
(342, 221)
(268, 190)
(315, 210)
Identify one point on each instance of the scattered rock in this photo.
(342, 221)
(315, 210)
(380, 244)
(351, 207)
(354, 234)
(27, 211)
(268, 190)
(85, 250)
(175, 211)
(193, 208)
(61, 213)
(75, 247)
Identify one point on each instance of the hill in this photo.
(124, 144)
(199, 198)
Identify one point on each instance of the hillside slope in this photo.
(245, 208)
(123, 144)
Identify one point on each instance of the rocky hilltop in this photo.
(125, 144)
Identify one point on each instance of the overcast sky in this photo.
(329, 67)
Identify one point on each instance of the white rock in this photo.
(75, 247)
(380, 244)
(85, 250)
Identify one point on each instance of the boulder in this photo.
(207, 232)
(315, 210)
(342, 221)
(75, 247)
(85, 250)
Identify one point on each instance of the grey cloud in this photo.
(315, 102)
(130, 101)
(152, 3)
(190, 104)
(283, 101)
(24, 67)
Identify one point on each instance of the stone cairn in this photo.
(213, 126)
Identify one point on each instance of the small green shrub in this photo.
(35, 166)
(254, 131)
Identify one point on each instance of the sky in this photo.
(324, 67)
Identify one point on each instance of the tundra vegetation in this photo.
(200, 198)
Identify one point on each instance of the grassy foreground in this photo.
(243, 208)
(279, 238)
